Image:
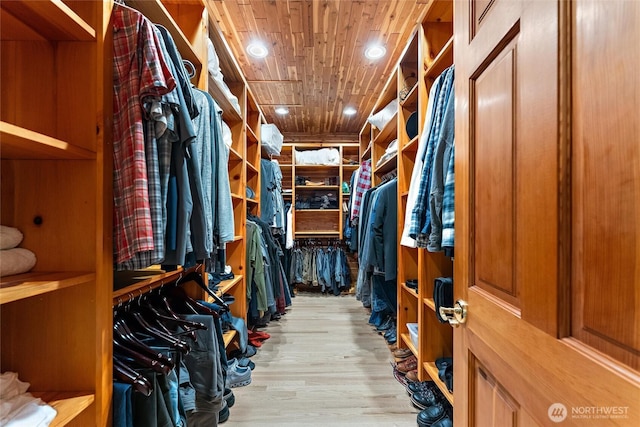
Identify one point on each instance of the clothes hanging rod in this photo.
(128, 293)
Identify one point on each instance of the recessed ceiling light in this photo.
(257, 49)
(282, 111)
(375, 51)
(349, 111)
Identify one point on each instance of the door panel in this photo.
(488, 393)
(606, 236)
(536, 157)
(494, 151)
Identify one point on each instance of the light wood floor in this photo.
(323, 366)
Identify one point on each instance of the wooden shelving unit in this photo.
(51, 142)
(427, 54)
(320, 222)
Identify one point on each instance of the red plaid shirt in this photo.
(363, 184)
(139, 73)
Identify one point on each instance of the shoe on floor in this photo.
(416, 387)
(402, 353)
(429, 416)
(407, 365)
(237, 376)
(412, 376)
(423, 399)
(224, 413)
(229, 397)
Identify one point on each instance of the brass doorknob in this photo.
(455, 315)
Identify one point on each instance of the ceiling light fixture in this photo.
(375, 51)
(349, 111)
(282, 111)
(257, 49)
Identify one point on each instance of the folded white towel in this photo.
(10, 237)
(16, 261)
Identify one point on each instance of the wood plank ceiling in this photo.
(316, 65)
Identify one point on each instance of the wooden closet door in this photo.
(547, 212)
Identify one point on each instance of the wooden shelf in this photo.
(412, 96)
(429, 302)
(406, 338)
(67, 404)
(411, 146)
(251, 167)
(229, 113)
(251, 135)
(432, 370)
(20, 143)
(317, 167)
(158, 14)
(21, 286)
(439, 11)
(237, 238)
(226, 285)
(252, 201)
(367, 153)
(318, 210)
(228, 337)
(43, 20)
(317, 232)
(390, 164)
(388, 132)
(442, 61)
(410, 291)
(286, 165)
(234, 155)
(316, 187)
(404, 194)
(236, 196)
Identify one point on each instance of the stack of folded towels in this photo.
(14, 260)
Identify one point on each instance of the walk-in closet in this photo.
(319, 213)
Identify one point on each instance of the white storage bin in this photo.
(413, 331)
(271, 139)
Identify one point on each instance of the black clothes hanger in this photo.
(197, 278)
(178, 295)
(125, 374)
(123, 335)
(138, 322)
(142, 360)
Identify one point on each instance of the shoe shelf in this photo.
(432, 370)
(429, 302)
(226, 285)
(406, 339)
(67, 404)
(411, 292)
(21, 286)
(228, 337)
